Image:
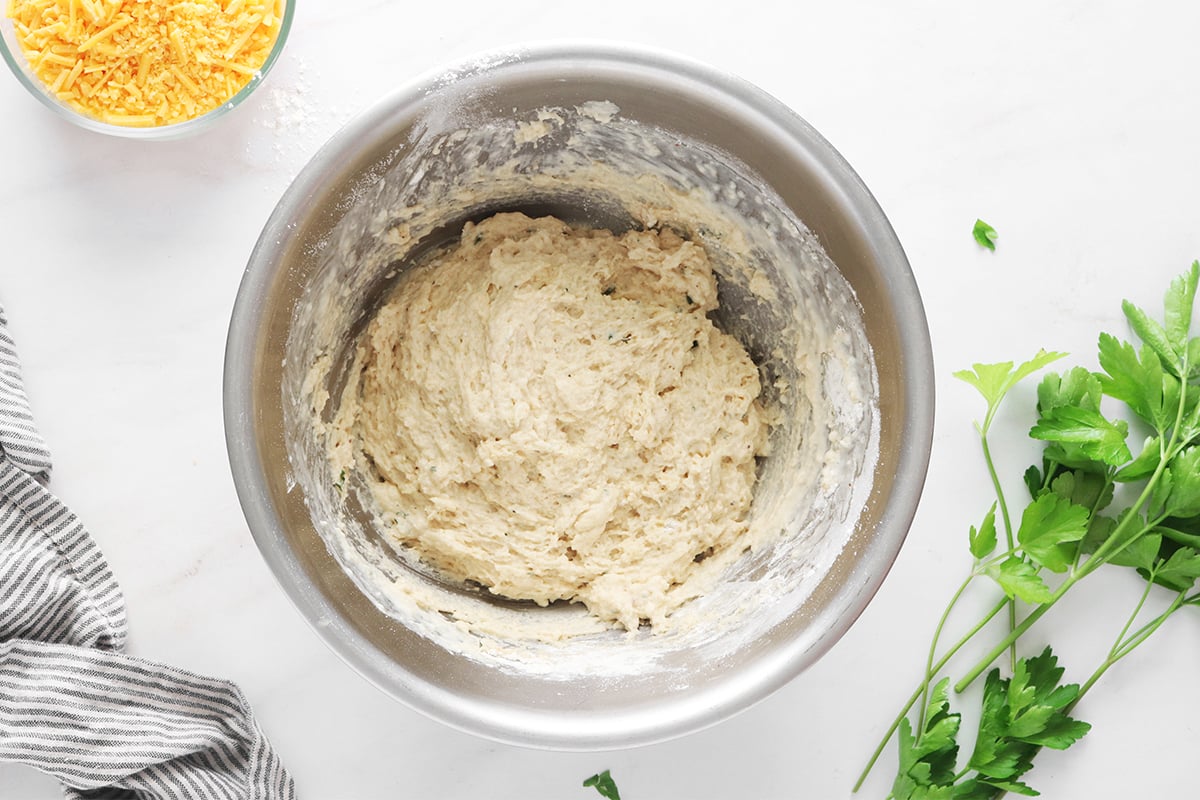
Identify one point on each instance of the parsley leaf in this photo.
(1193, 357)
(1184, 500)
(1033, 479)
(927, 761)
(1180, 571)
(1181, 531)
(1077, 387)
(983, 541)
(1143, 465)
(1083, 488)
(1021, 714)
(994, 381)
(1160, 492)
(1134, 548)
(1036, 699)
(997, 757)
(1084, 434)
(1177, 308)
(604, 784)
(1152, 334)
(1019, 578)
(1049, 525)
(1135, 380)
(985, 234)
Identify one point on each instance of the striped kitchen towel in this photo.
(106, 724)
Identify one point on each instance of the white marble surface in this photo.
(1070, 126)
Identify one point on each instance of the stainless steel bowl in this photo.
(325, 243)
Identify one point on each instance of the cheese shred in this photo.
(145, 63)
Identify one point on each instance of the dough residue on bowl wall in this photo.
(779, 296)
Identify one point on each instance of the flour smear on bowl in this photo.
(805, 367)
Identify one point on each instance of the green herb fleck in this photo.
(604, 784)
(608, 290)
(985, 234)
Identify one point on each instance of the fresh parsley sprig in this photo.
(1092, 502)
(1019, 716)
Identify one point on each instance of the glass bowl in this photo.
(10, 49)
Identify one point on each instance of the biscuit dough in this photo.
(549, 411)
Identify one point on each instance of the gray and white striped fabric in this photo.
(106, 724)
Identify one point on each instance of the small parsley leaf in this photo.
(1135, 380)
(1160, 492)
(1180, 571)
(604, 785)
(927, 761)
(1033, 480)
(1077, 387)
(1143, 465)
(1184, 500)
(1181, 531)
(983, 541)
(993, 381)
(1083, 488)
(996, 757)
(1019, 578)
(1177, 308)
(1084, 434)
(1049, 526)
(985, 234)
(1140, 553)
(1193, 356)
(1134, 548)
(1152, 334)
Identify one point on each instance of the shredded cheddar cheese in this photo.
(145, 62)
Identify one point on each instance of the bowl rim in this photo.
(20, 68)
(523, 727)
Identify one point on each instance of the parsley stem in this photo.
(1143, 633)
(991, 468)
(1095, 509)
(1107, 551)
(916, 695)
(1093, 563)
(1015, 634)
(1124, 647)
(1008, 529)
(1137, 610)
(1111, 547)
(937, 632)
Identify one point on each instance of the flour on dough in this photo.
(550, 412)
